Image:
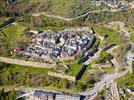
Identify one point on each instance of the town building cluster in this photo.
(49, 95)
(44, 95)
(110, 3)
(51, 46)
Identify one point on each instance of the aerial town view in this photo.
(66, 49)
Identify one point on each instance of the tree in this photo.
(81, 86)
(12, 95)
(65, 83)
(103, 57)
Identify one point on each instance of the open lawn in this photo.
(111, 35)
(75, 68)
(126, 81)
(109, 70)
(85, 74)
(18, 68)
(30, 69)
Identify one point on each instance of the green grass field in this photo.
(75, 68)
(85, 74)
(109, 70)
(18, 68)
(31, 77)
(126, 81)
(15, 34)
(112, 35)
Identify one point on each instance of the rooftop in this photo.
(50, 45)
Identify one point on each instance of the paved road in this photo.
(99, 86)
(25, 63)
(107, 78)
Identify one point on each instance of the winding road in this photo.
(131, 4)
(90, 95)
(75, 18)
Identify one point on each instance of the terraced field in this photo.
(14, 34)
(11, 37)
(63, 8)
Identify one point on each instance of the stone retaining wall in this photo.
(26, 63)
(71, 78)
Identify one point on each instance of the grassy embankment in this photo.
(12, 36)
(126, 81)
(112, 35)
(130, 28)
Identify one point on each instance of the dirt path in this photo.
(75, 18)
